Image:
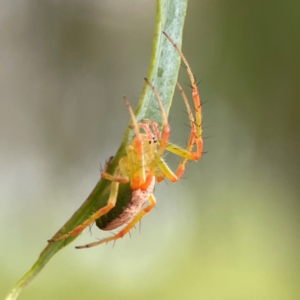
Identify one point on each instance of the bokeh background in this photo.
(230, 228)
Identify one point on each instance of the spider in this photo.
(143, 165)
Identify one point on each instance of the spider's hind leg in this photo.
(127, 228)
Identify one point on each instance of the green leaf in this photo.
(163, 71)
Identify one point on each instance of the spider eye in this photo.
(153, 139)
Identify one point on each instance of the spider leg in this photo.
(196, 126)
(195, 95)
(185, 153)
(102, 211)
(166, 128)
(191, 141)
(165, 171)
(139, 173)
(164, 145)
(153, 126)
(127, 228)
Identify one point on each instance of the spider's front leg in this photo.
(195, 123)
(185, 153)
(159, 167)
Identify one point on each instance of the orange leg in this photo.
(153, 126)
(127, 228)
(166, 128)
(145, 126)
(186, 154)
(139, 177)
(196, 126)
(196, 99)
(102, 211)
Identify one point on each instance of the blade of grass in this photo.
(163, 71)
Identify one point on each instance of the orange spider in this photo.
(143, 166)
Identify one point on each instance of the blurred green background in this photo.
(230, 228)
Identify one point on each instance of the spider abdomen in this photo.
(138, 198)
